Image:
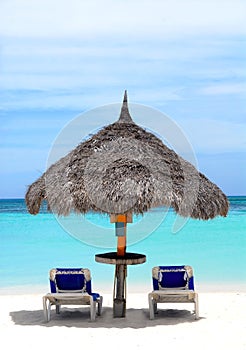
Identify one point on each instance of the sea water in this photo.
(33, 244)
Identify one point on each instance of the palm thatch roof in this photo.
(124, 168)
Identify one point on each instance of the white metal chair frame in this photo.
(59, 299)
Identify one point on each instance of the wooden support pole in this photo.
(119, 305)
(121, 246)
(121, 221)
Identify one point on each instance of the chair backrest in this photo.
(173, 277)
(70, 280)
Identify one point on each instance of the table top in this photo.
(127, 259)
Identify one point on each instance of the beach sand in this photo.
(222, 324)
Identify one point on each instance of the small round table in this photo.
(120, 262)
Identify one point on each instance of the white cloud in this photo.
(64, 74)
(23, 159)
(59, 18)
(215, 136)
(224, 89)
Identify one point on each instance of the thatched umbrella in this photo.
(122, 170)
(132, 170)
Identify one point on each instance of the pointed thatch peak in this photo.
(125, 116)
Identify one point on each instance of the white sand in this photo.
(222, 325)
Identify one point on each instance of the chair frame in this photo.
(184, 294)
(69, 297)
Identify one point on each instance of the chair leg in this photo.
(49, 310)
(155, 307)
(151, 308)
(92, 309)
(46, 309)
(196, 307)
(58, 309)
(99, 306)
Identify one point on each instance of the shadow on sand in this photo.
(135, 318)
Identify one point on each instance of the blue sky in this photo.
(185, 58)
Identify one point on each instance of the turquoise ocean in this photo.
(32, 245)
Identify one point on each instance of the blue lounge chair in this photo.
(71, 286)
(172, 284)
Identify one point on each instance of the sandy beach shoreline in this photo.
(221, 324)
(135, 288)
